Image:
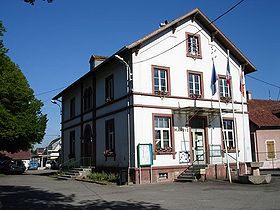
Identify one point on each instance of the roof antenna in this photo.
(163, 24)
(269, 96)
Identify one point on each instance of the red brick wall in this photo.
(172, 173)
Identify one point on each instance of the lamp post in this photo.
(128, 82)
(55, 102)
(60, 112)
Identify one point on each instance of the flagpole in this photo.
(225, 140)
(242, 106)
(213, 82)
(234, 124)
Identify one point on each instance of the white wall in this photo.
(179, 63)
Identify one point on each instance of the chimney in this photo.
(95, 60)
(249, 95)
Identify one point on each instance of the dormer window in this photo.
(193, 45)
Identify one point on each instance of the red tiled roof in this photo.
(21, 155)
(261, 112)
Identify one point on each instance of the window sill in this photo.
(161, 93)
(233, 150)
(109, 100)
(194, 56)
(166, 151)
(109, 153)
(225, 99)
(194, 96)
(271, 159)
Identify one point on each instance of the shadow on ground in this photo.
(18, 197)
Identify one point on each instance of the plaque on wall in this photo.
(215, 151)
(184, 157)
(145, 155)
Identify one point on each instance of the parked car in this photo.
(48, 164)
(33, 165)
(9, 166)
(54, 165)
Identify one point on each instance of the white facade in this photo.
(130, 114)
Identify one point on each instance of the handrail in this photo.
(77, 162)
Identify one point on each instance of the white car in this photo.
(48, 164)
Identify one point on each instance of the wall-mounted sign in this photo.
(145, 155)
(215, 151)
(184, 157)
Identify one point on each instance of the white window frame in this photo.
(223, 86)
(271, 140)
(192, 87)
(193, 45)
(159, 78)
(161, 130)
(226, 132)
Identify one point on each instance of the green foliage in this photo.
(21, 122)
(102, 176)
(2, 31)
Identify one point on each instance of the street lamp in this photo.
(55, 102)
(128, 82)
(60, 112)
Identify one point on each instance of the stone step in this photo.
(65, 177)
(70, 173)
(184, 179)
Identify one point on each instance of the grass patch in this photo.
(103, 177)
(1, 175)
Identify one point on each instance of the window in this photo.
(224, 88)
(87, 98)
(160, 79)
(162, 133)
(193, 45)
(110, 136)
(72, 108)
(270, 148)
(72, 144)
(229, 134)
(109, 88)
(195, 84)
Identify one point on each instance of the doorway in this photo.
(198, 141)
(87, 147)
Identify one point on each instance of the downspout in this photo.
(128, 82)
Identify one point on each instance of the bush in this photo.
(103, 176)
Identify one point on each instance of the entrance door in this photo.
(87, 147)
(198, 142)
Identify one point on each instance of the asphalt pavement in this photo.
(37, 190)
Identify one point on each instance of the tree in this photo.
(22, 123)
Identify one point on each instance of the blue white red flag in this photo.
(242, 83)
(214, 80)
(228, 75)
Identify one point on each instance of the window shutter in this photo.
(270, 149)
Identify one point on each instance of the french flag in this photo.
(228, 75)
(214, 79)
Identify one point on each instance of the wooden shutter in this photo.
(270, 149)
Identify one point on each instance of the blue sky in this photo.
(52, 43)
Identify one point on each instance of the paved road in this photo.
(34, 191)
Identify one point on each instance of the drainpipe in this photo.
(128, 81)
